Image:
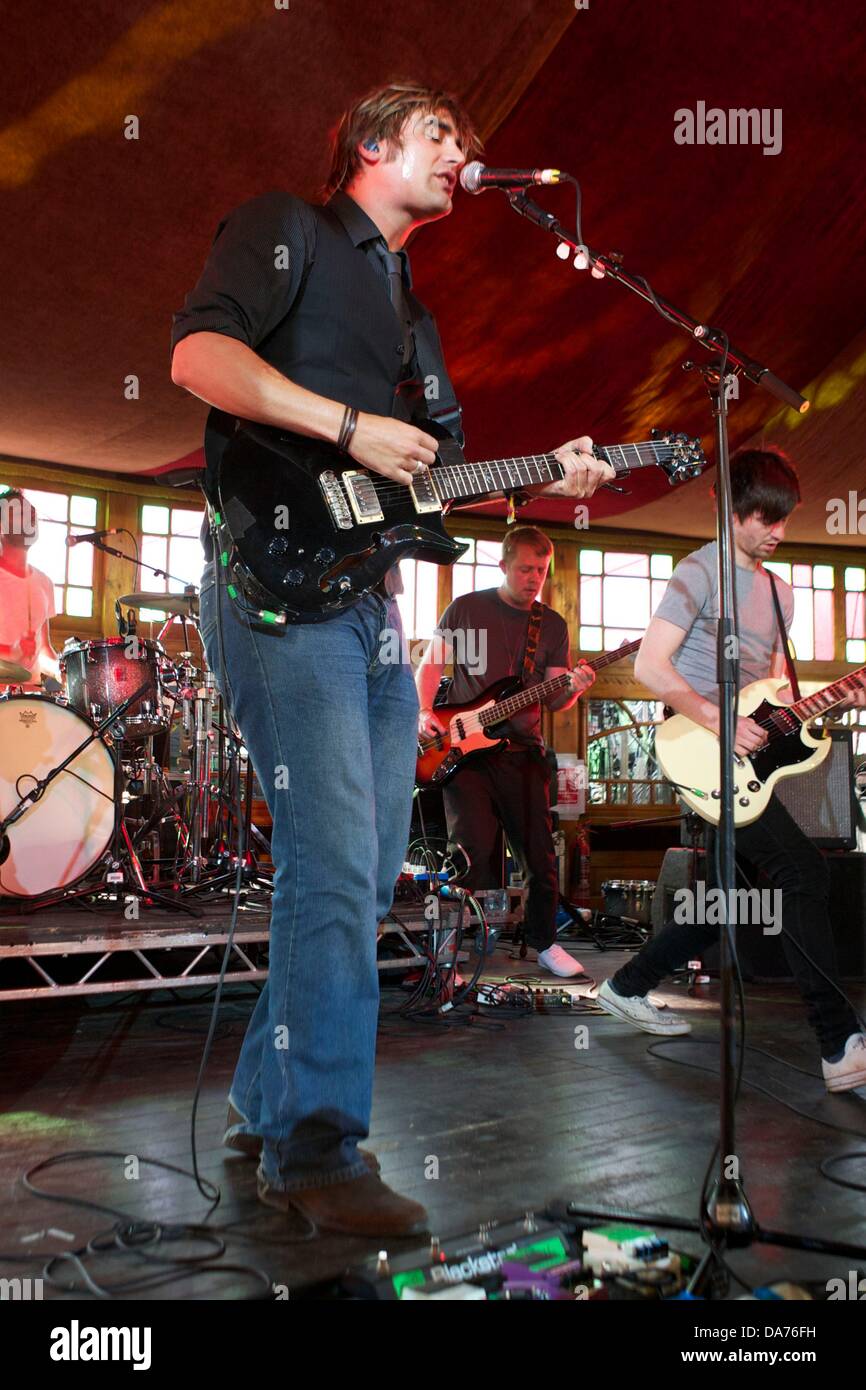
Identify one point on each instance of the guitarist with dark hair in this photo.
(304, 320)
(677, 661)
(507, 787)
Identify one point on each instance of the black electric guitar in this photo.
(304, 532)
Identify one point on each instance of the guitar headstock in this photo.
(687, 458)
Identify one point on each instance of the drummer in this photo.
(26, 594)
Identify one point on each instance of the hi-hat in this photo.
(10, 674)
(180, 605)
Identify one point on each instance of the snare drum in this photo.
(629, 897)
(101, 674)
(62, 835)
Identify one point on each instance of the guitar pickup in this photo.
(424, 494)
(334, 500)
(362, 497)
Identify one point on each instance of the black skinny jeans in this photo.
(511, 790)
(776, 844)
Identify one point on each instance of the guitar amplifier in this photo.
(823, 802)
(761, 957)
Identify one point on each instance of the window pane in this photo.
(802, 628)
(406, 600)
(49, 553)
(487, 576)
(79, 603)
(488, 552)
(152, 553)
(590, 561)
(825, 643)
(661, 566)
(855, 652)
(82, 512)
(658, 587)
(50, 506)
(154, 520)
(855, 615)
(802, 576)
(624, 562)
(186, 522)
(626, 601)
(186, 559)
(80, 562)
(855, 577)
(426, 597)
(461, 580)
(590, 599)
(822, 576)
(590, 639)
(782, 570)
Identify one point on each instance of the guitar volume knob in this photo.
(278, 546)
(294, 577)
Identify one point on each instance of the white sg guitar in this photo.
(689, 753)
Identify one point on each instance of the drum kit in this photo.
(133, 782)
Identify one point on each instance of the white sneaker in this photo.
(850, 1071)
(641, 1012)
(559, 962)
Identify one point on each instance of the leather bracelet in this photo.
(347, 429)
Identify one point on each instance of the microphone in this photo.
(93, 535)
(475, 177)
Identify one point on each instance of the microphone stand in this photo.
(726, 1218)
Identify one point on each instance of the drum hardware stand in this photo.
(726, 1219)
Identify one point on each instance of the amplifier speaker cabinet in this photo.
(823, 802)
(762, 957)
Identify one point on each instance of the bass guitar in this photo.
(689, 754)
(304, 532)
(475, 728)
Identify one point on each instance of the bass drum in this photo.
(64, 833)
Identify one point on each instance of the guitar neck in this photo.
(812, 705)
(453, 481)
(505, 709)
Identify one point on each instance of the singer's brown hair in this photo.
(381, 115)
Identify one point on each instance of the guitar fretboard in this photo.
(788, 718)
(504, 709)
(501, 475)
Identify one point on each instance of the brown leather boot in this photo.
(362, 1206)
(251, 1144)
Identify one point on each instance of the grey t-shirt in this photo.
(488, 641)
(691, 601)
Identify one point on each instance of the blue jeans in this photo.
(332, 734)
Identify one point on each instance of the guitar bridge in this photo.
(334, 500)
(424, 495)
(362, 497)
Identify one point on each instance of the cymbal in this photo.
(10, 674)
(181, 605)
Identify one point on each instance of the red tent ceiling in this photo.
(103, 235)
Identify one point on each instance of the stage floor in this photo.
(512, 1110)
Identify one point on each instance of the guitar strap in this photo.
(786, 650)
(533, 630)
